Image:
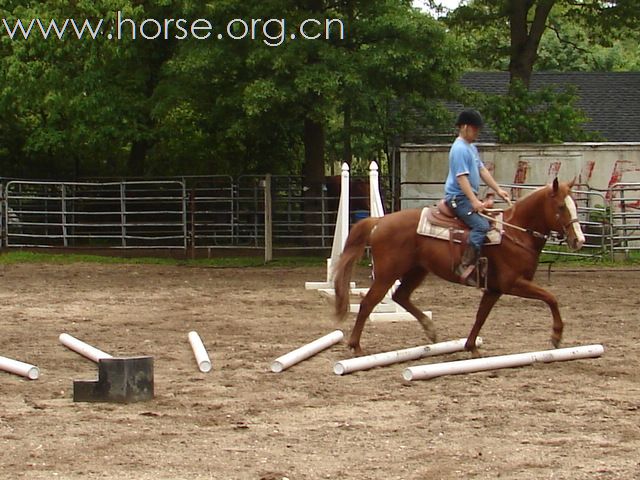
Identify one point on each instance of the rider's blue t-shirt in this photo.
(464, 159)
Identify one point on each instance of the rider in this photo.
(461, 189)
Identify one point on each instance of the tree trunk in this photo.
(525, 36)
(313, 168)
(347, 152)
(137, 157)
(154, 55)
(313, 175)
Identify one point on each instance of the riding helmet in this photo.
(470, 117)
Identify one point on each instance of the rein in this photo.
(528, 231)
(531, 232)
(514, 240)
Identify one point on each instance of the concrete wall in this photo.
(594, 165)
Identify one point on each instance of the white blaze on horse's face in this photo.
(575, 241)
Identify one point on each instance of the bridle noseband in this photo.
(566, 226)
(534, 233)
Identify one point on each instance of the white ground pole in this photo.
(84, 349)
(306, 351)
(397, 356)
(398, 315)
(202, 357)
(425, 372)
(19, 368)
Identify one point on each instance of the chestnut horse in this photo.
(399, 252)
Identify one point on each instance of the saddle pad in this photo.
(426, 228)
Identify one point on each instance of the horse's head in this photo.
(562, 214)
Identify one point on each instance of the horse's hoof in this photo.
(556, 342)
(475, 353)
(430, 330)
(432, 335)
(356, 350)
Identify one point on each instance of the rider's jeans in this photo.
(479, 225)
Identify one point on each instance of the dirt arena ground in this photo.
(569, 420)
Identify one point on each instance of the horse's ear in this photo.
(554, 187)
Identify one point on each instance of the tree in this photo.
(322, 99)
(571, 46)
(518, 35)
(524, 22)
(81, 106)
(261, 103)
(541, 116)
(395, 59)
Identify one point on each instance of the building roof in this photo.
(611, 100)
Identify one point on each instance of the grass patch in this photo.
(589, 261)
(221, 262)
(12, 257)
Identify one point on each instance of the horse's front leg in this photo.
(487, 302)
(527, 289)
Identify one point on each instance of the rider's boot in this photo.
(467, 266)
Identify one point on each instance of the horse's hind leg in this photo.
(408, 283)
(373, 297)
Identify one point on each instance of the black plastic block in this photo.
(120, 380)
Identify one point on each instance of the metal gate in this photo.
(223, 212)
(97, 215)
(624, 212)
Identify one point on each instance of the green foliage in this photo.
(557, 259)
(76, 105)
(542, 116)
(570, 45)
(219, 262)
(79, 108)
(580, 36)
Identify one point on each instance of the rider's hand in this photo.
(477, 205)
(504, 195)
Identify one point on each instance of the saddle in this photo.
(442, 215)
(440, 221)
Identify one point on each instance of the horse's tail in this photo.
(353, 250)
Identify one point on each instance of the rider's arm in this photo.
(465, 186)
(490, 181)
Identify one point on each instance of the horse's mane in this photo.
(525, 202)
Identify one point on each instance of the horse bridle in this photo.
(531, 232)
(566, 226)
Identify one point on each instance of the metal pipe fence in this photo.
(624, 218)
(215, 212)
(601, 223)
(96, 215)
(220, 212)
